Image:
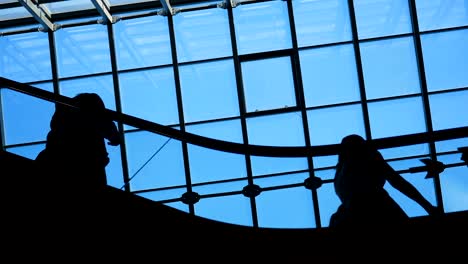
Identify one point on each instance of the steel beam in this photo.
(39, 14)
(104, 11)
(167, 8)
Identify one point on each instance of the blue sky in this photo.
(209, 96)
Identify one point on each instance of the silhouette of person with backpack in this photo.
(75, 152)
(361, 173)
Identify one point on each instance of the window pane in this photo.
(160, 195)
(142, 42)
(285, 208)
(397, 117)
(449, 110)
(328, 174)
(436, 14)
(82, 50)
(376, 18)
(276, 130)
(101, 85)
(269, 165)
(179, 206)
(280, 180)
(330, 125)
(329, 22)
(451, 145)
(268, 84)
(405, 151)
(230, 130)
(154, 161)
(329, 75)
(209, 90)
(202, 34)
(29, 152)
(234, 209)
(325, 161)
(451, 159)
(114, 171)
(150, 95)
(424, 186)
(25, 118)
(262, 27)
(216, 188)
(405, 164)
(454, 184)
(390, 68)
(25, 57)
(328, 202)
(211, 165)
(445, 59)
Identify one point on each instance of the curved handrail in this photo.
(238, 148)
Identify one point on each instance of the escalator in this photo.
(37, 211)
(54, 216)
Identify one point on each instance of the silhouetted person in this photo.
(75, 152)
(359, 183)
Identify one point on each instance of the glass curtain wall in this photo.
(276, 73)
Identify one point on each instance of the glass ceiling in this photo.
(275, 73)
(15, 12)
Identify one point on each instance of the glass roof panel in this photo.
(126, 2)
(69, 6)
(13, 13)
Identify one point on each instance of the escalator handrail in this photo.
(238, 148)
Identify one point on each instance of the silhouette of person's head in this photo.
(352, 146)
(89, 101)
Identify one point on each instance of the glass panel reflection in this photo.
(262, 27)
(82, 50)
(376, 18)
(329, 22)
(142, 42)
(437, 14)
(202, 34)
(25, 57)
